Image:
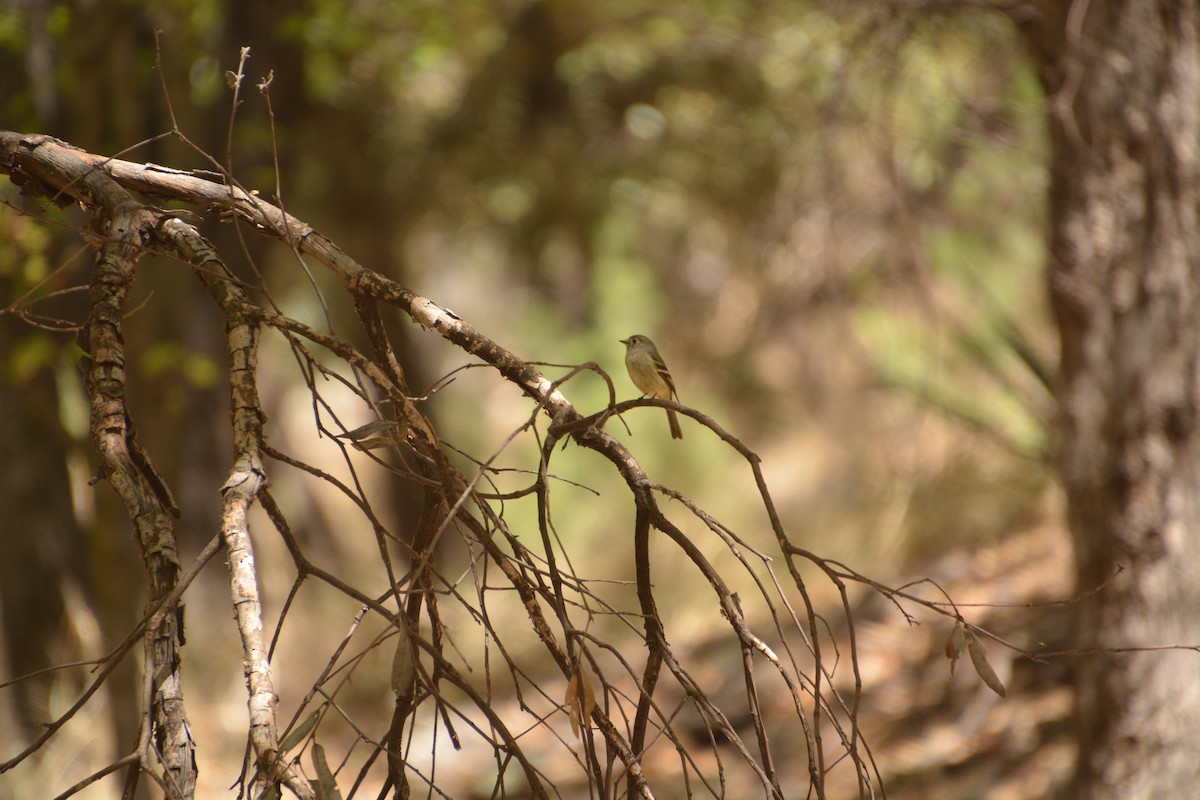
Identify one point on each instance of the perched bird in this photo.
(650, 375)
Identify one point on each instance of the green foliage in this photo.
(723, 175)
(23, 262)
(968, 156)
(12, 22)
(165, 357)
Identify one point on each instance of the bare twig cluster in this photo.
(626, 708)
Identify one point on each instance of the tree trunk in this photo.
(1123, 82)
(42, 549)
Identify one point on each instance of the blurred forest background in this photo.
(831, 217)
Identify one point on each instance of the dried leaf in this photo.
(569, 700)
(299, 732)
(325, 785)
(589, 698)
(404, 665)
(373, 435)
(369, 430)
(979, 660)
(374, 444)
(579, 700)
(955, 644)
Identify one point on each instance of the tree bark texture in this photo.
(124, 227)
(1123, 84)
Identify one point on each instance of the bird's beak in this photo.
(623, 341)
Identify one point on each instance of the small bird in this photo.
(650, 375)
